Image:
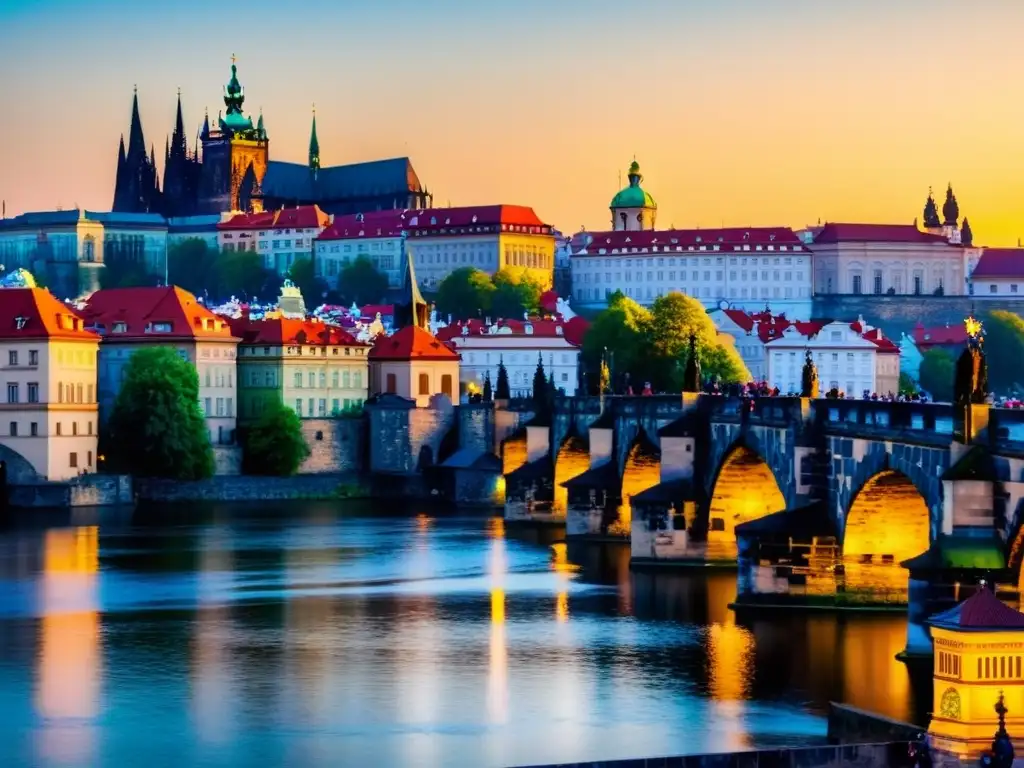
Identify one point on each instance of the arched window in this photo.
(424, 384)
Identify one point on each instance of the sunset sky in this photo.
(760, 112)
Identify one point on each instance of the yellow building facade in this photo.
(979, 655)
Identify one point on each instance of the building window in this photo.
(14, 429)
(12, 357)
(322, 407)
(33, 357)
(298, 406)
(74, 427)
(878, 282)
(298, 379)
(424, 388)
(991, 289)
(57, 428)
(33, 429)
(88, 460)
(856, 284)
(446, 385)
(73, 460)
(917, 285)
(12, 393)
(392, 384)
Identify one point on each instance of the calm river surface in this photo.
(337, 634)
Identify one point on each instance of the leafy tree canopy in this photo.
(156, 428)
(274, 445)
(515, 293)
(907, 384)
(1004, 342)
(465, 293)
(937, 372)
(360, 282)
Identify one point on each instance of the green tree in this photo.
(274, 445)
(1004, 342)
(156, 428)
(116, 274)
(622, 330)
(907, 384)
(240, 274)
(192, 265)
(360, 282)
(937, 372)
(302, 274)
(488, 394)
(515, 294)
(502, 391)
(466, 292)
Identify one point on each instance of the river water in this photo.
(338, 634)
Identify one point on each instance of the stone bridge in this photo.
(699, 477)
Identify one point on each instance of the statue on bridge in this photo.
(1002, 753)
(971, 383)
(691, 375)
(809, 382)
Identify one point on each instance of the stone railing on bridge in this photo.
(924, 423)
(1006, 431)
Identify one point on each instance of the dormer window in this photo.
(558, 330)
(528, 329)
(120, 327)
(160, 328)
(433, 220)
(20, 322)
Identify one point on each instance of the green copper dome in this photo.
(633, 196)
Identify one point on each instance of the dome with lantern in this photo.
(633, 208)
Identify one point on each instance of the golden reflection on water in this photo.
(497, 668)
(564, 569)
(730, 659)
(70, 656)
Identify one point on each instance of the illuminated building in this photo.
(491, 238)
(378, 237)
(280, 237)
(979, 656)
(50, 424)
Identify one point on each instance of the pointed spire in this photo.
(136, 141)
(178, 144)
(314, 147)
(931, 213)
(413, 310)
(205, 132)
(167, 150)
(966, 236)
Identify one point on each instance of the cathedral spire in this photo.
(179, 145)
(314, 147)
(412, 310)
(136, 140)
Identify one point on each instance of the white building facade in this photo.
(518, 345)
(378, 237)
(997, 273)
(739, 268)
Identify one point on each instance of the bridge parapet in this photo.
(918, 423)
(1006, 431)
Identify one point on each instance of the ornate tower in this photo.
(951, 216)
(632, 208)
(181, 171)
(235, 156)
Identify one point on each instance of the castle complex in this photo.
(229, 169)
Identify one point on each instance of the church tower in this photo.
(235, 157)
(136, 187)
(632, 208)
(181, 171)
(951, 217)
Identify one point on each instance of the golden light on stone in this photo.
(745, 490)
(573, 459)
(643, 471)
(888, 522)
(513, 452)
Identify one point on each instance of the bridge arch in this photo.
(641, 470)
(572, 459)
(513, 451)
(744, 489)
(17, 469)
(889, 521)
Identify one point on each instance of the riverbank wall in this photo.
(83, 491)
(343, 485)
(888, 755)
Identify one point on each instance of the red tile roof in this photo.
(411, 343)
(303, 217)
(771, 327)
(670, 240)
(376, 224)
(142, 308)
(1000, 262)
(465, 220)
(981, 611)
(548, 301)
(370, 311)
(875, 233)
(939, 334)
(34, 313)
(284, 331)
(573, 330)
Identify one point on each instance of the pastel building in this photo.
(130, 319)
(49, 364)
(317, 370)
(518, 344)
(280, 237)
(488, 237)
(378, 237)
(998, 274)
